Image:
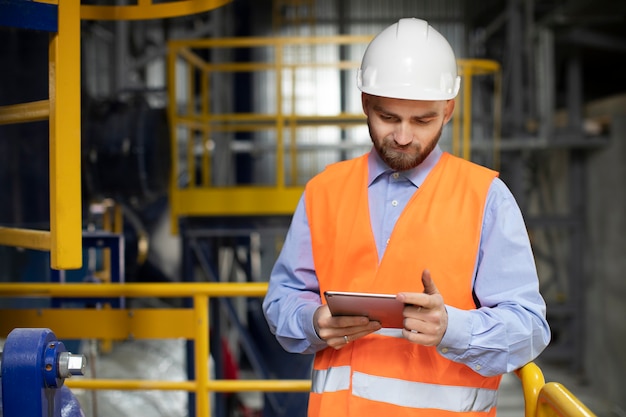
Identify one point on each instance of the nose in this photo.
(403, 135)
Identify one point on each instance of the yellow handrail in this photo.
(540, 399)
(532, 382)
(557, 401)
(200, 292)
(25, 238)
(25, 112)
(550, 399)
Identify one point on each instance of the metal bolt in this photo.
(71, 364)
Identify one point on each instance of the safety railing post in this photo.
(201, 352)
(65, 172)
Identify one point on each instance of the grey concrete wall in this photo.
(605, 352)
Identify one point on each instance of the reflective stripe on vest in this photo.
(331, 380)
(394, 391)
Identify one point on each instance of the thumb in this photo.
(429, 285)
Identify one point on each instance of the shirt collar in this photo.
(417, 175)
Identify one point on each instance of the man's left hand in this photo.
(425, 315)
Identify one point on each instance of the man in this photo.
(443, 234)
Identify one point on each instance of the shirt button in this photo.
(395, 175)
(394, 203)
(387, 241)
(478, 367)
(444, 350)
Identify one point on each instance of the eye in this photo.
(385, 117)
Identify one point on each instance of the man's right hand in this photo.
(339, 331)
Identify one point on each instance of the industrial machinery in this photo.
(34, 368)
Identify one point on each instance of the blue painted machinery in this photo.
(34, 367)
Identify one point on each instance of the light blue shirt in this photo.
(508, 330)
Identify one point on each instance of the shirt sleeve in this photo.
(293, 294)
(509, 327)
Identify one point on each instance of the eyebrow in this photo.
(427, 115)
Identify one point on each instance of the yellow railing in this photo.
(150, 323)
(462, 125)
(200, 123)
(62, 108)
(550, 399)
(541, 399)
(284, 63)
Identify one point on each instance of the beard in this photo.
(402, 158)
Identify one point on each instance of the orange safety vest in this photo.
(383, 374)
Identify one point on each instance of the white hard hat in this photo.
(409, 60)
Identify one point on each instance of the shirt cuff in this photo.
(306, 317)
(458, 335)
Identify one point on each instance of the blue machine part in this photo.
(34, 367)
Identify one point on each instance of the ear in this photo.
(365, 102)
(448, 110)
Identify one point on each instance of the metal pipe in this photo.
(165, 290)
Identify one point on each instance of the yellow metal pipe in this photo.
(265, 66)
(197, 120)
(479, 66)
(238, 201)
(25, 238)
(532, 383)
(201, 353)
(129, 384)
(113, 323)
(248, 127)
(192, 58)
(146, 10)
(65, 131)
(25, 112)
(244, 42)
(556, 400)
(265, 385)
(165, 290)
(293, 385)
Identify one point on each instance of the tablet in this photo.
(379, 307)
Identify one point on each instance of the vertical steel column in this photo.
(513, 100)
(577, 175)
(65, 157)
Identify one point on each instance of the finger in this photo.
(415, 300)
(421, 338)
(429, 285)
(340, 342)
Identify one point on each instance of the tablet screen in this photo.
(379, 307)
